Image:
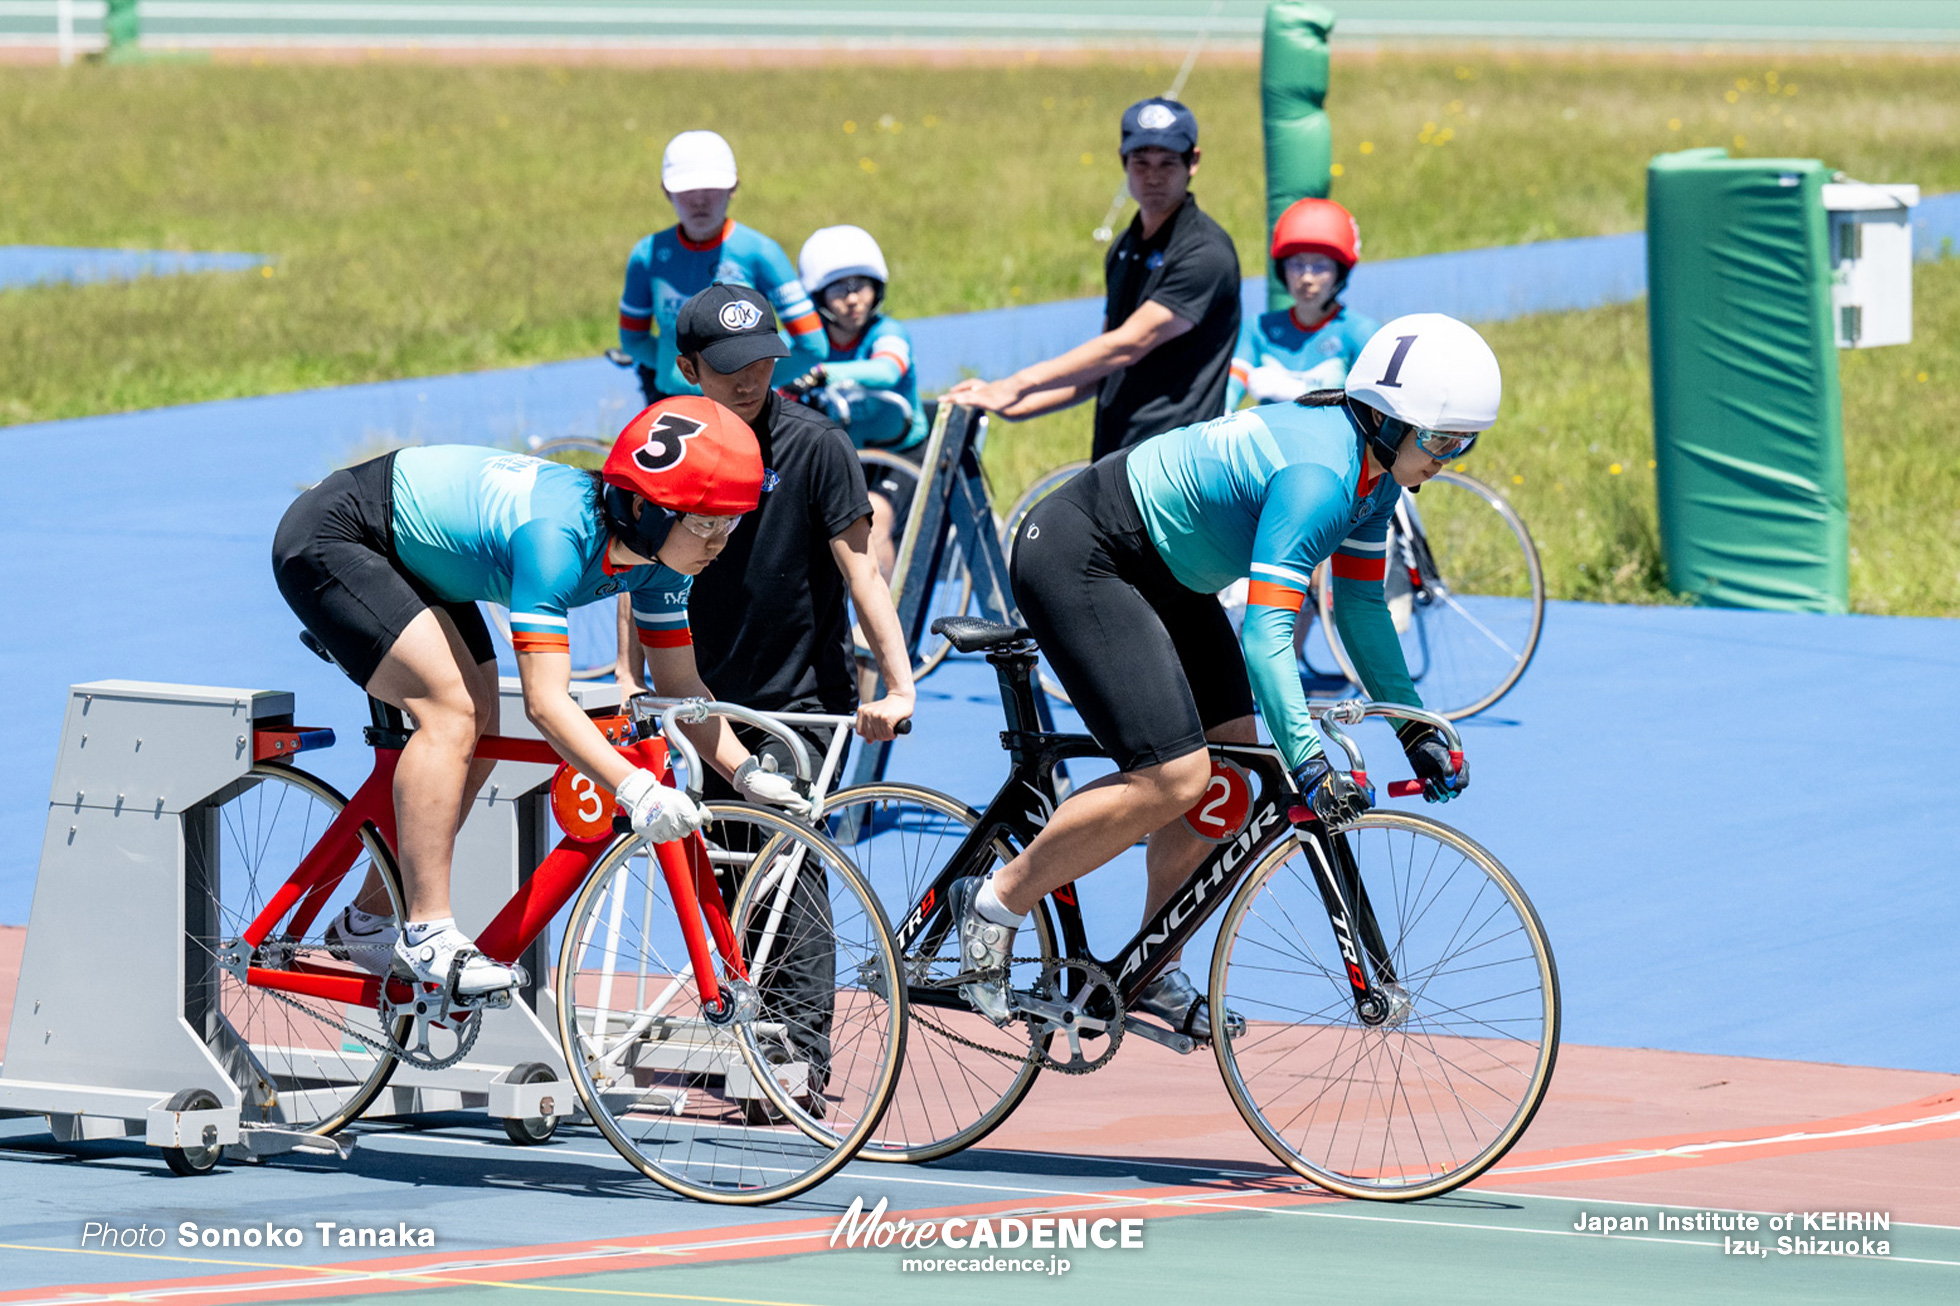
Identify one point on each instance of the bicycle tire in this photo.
(949, 1096)
(257, 833)
(737, 1136)
(1489, 676)
(1486, 1025)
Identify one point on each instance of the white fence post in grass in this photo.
(64, 31)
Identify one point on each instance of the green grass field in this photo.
(433, 219)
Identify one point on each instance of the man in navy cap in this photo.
(1172, 311)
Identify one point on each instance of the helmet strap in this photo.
(643, 534)
(1373, 426)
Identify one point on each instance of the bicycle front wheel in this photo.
(1466, 593)
(963, 1076)
(1430, 1094)
(302, 1062)
(757, 1105)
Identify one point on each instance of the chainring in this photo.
(1095, 1008)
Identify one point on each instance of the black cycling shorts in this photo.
(1149, 664)
(334, 559)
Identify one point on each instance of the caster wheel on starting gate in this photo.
(530, 1131)
(188, 1161)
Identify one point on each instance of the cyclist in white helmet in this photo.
(1117, 572)
(866, 380)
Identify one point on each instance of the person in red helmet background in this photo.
(1309, 345)
(385, 563)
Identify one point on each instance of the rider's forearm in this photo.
(639, 344)
(569, 731)
(1267, 638)
(1368, 634)
(672, 673)
(871, 373)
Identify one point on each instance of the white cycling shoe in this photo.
(430, 964)
(1175, 1000)
(373, 950)
(985, 947)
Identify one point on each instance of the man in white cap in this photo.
(697, 173)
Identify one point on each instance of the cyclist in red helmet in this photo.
(385, 563)
(1309, 346)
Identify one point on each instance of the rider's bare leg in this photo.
(1175, 852)
(1097, 822)
(429, 674)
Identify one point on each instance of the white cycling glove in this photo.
(757, 783)
(1269, 383)
(658, 814)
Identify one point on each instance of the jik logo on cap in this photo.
(1155, 117)
(739, 315)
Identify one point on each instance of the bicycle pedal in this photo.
(1182, 1044)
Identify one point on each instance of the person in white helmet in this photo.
(866, 380)
(1117, 572)
(697, 174)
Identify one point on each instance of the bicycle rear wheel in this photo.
(962, 1076)
(303, 1063)
(763, 1104)
(1430, 1097)
(1470, 617)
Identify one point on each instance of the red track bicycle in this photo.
(720, 999)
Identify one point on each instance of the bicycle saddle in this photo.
(972, 634)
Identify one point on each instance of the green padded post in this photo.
(123, 30)
(1748, 437)
(1292, 91)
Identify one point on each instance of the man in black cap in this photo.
(768, 617)
(770, 627)
(1171, 315)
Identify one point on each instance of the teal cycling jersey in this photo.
(1269, 494)
(483, 525)
(879, 363)
(666, 269)
(1318, 356)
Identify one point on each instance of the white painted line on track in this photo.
(1692, 1150)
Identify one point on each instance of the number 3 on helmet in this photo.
(685, 454)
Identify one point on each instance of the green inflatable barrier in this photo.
(1292, 89)
(1748, 441)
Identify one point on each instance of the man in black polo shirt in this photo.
(1171, 315)
(768, 617)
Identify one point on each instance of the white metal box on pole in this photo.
(1871, 262)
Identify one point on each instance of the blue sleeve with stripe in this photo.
(1361, 614)
(545, 568)
(636, 307)
(660, 609)
(1302, 519)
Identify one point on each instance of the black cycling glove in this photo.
(1429, 757)
(1332, 795)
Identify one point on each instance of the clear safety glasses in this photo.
(709, 528)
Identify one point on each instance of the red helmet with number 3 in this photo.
(1314, 226)
(685, 454)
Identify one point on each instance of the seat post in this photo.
(1015, 670)
(390, 728)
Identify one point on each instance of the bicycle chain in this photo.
(1033, 1053)
(473, 1024)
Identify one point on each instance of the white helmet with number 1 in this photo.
(1430, 371)
(833, 253)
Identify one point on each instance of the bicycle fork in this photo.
(1380, 1000)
